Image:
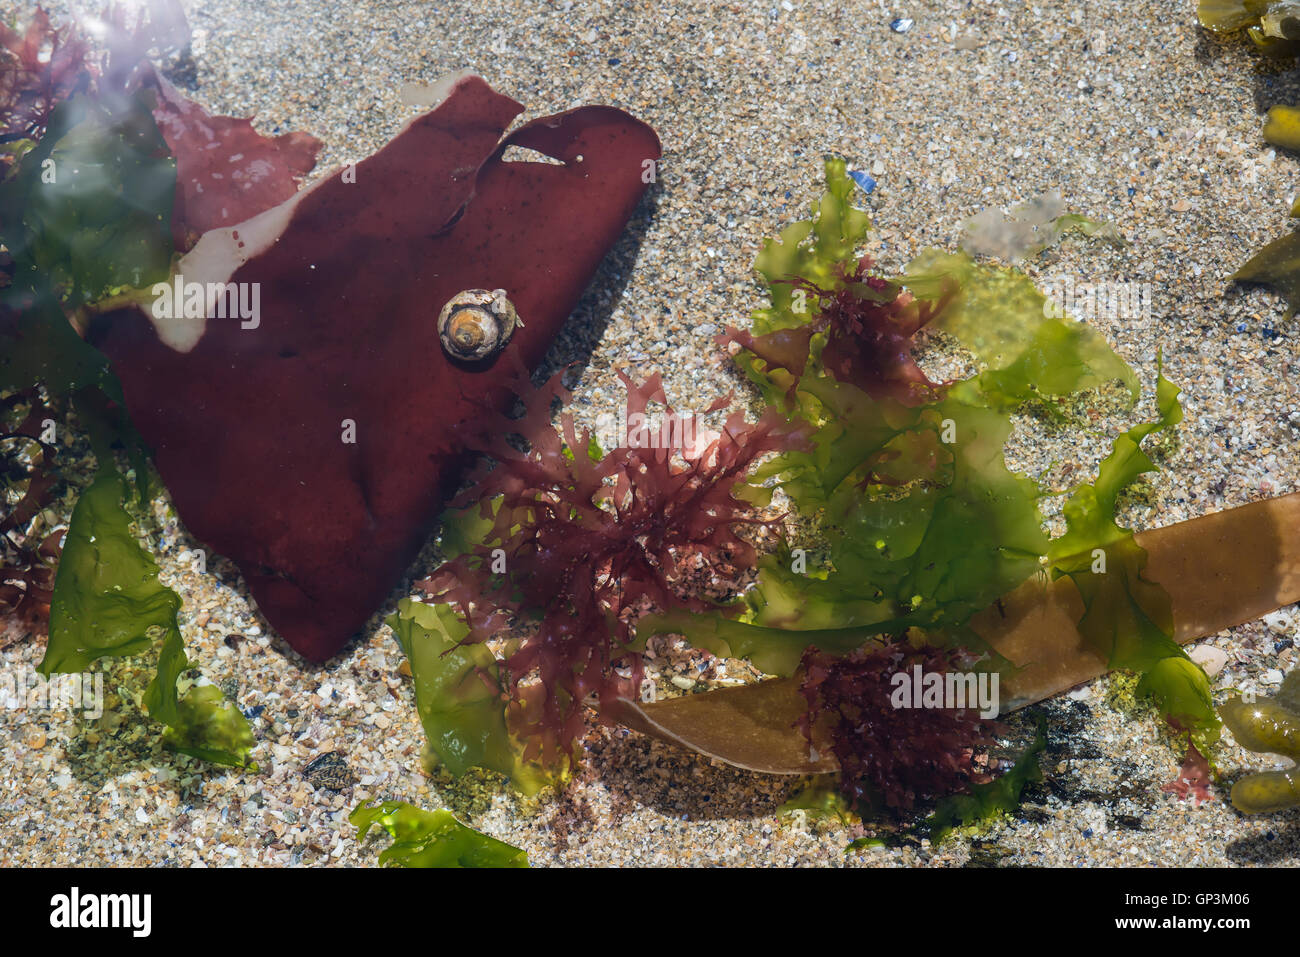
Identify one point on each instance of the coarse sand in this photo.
(1127, 109)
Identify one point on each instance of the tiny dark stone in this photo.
(291, 713)
(234, 641)
(1282, 644)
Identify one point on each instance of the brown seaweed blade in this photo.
(249, 423)
(1276, 265)
(1220, 570)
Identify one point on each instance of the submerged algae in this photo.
(108, 602)
(432, 838)
(925, 523)
(1271, 726)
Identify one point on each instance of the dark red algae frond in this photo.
(869, 325)
(581, 544)
(27, 562)
(39, 67)
(891, 756)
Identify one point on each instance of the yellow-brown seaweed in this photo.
(1270, 725)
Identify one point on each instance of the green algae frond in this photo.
(906, 479)
(459, 697)
(1270, 726)
(108, 602)
(432, 838)
(1128, 618)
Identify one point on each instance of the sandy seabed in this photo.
(1127, 109)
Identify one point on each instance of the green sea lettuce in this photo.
(108, 602)
(813, 250)
(459, 697)
(921, 523)
(86, 217)
(924, 523)
(1128, 618)
(432, 838)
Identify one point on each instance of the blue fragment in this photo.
(901, 25)
(865, 182)
(1241, 327)
(1132, 191)
(614, 61)
(787, 194)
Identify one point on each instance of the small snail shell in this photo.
(476, 324)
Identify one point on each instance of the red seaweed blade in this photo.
(247, 425)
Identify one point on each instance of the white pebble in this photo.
(1277, 622)
(1271, 677)
(1211, 659)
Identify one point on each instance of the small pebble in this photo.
(1278, 622)
(901, 25)
(1210, 659)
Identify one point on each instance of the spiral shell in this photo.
(476, 324)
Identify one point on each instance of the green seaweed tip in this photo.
(432, 838)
